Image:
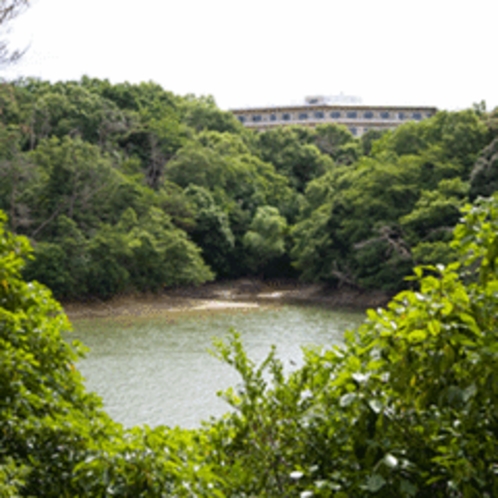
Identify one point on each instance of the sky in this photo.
(270, 52)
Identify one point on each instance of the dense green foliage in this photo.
(407, 407)
(121, 186)
(55, 440)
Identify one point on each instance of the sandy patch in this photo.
(223, 305)
(225, 296)
(151, 306)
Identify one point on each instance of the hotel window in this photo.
(242, 119)
(303, 115)
(368, 115)
(353, 130)
(401, 115)
(428, 114)
(384, 115)
(335, 115)
(273, 117)
(286, 117)
(417, 116)
(351, 115)
(256, 118)
(319, 115)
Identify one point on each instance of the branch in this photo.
(344, 278)
(391, 237)
(49, 220)
(9, 9)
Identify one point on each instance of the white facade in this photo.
(358, 118)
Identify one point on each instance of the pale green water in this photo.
(159, 371)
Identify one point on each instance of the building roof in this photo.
(346, 107)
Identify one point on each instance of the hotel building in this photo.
(357, 117)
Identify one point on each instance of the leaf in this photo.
(434, 327)
(376, 405)
(447, 308)
(417, 336)
(470, 322)
(375, 483)
(296, 475)
(408, 488)
(360, 377)
(347, 399)
(448, 358)
(469, 392)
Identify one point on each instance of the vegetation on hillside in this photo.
(128, 187)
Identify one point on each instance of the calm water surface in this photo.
(159, 370)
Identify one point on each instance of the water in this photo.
(159, 371)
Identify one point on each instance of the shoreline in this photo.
(225, 296)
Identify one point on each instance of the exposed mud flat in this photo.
(225, 296)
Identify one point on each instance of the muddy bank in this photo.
(285, 291)
(240, 294)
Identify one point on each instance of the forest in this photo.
(115, 188)
(111, 188)
(130, 188)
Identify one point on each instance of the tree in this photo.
(368, 138)
(265, 239)
(62, 264)
(484, 175)
(458, 138)
(17, 175)
(316, 252)
(212, 231)
(203, 114)
(360, 224)
(155, 252)
(428, 227)
(9, 10)
(293, 153)
(69, 109)
(77, 181)
(350, 223)
(338, 142)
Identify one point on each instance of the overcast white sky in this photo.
(258, 52)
